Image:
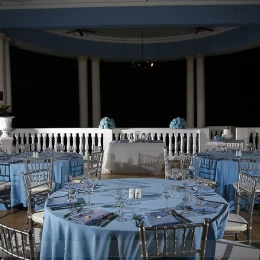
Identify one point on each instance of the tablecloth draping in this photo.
(62, 167)
(223, 168)
(124, 157)
(64, 239)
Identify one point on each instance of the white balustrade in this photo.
(82, 139)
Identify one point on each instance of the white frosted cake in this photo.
(227, 132)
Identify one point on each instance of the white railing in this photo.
(82, 139)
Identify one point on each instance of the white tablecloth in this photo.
(133, 158)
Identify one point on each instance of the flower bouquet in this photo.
(178, 123)
(107, 123)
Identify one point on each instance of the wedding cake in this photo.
(227, 131)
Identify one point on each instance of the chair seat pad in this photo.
(257, 188)
(232, 250)
(236, 223)
(38, 217)
(42, 188)
(4, 185)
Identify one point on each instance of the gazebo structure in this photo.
(136, 31)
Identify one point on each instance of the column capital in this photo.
(82, 57)
(8, 39)
(95, 59)
(189, 57)
(199, 56)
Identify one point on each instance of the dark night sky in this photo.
(45, 91)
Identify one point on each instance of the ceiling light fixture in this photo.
(142, 65)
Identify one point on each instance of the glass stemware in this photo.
(89, 188)
(166, 192)
(122, 203)
(185, 197)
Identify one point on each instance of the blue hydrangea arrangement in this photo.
(107, 123)
(178, 123)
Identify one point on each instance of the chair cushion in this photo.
(236, 223)
(257, 188)
(42, 188)
(4, 185)
(232, 250)
(38, 217)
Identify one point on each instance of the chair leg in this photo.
(249, 237)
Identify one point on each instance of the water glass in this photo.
(166, 193)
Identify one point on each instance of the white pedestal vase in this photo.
(5, 126)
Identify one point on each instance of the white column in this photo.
(2, 70)
(8, 88)
(83, 90)
(96, 105)
(200, 82)
(190, 92)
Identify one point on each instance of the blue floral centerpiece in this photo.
(178, 123)
(107, 123)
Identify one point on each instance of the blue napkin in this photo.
(159, 218)
(61, 201)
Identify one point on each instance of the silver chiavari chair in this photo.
(172, 241)
(194, 163)
(244, 201)
(38, 185)
(19, 244)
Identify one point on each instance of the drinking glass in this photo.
(121, 203)
(89, 188)
(166, 192)
(185, 198)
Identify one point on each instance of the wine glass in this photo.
(185, 197)
(121, 202)
(166, 192)
(89, 188)
(175, 175)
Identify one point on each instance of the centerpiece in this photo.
(107, 123)
(178, 123)
(6, 118)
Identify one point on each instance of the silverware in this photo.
(110, 218)
(73, 211)
(179, 217)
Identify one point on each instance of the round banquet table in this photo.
(65, 239)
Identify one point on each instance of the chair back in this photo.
(150, 163)
(94, 163)
(245, 191)
(189, 161)
(177, 240)
(17, 243)
(38, 173)
(37, 182)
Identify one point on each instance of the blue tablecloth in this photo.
(64, 239)
(62, 166)
(223, 168)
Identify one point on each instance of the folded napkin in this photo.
(60, 201)
(207, 206)
(89, 217)
(159, 218)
